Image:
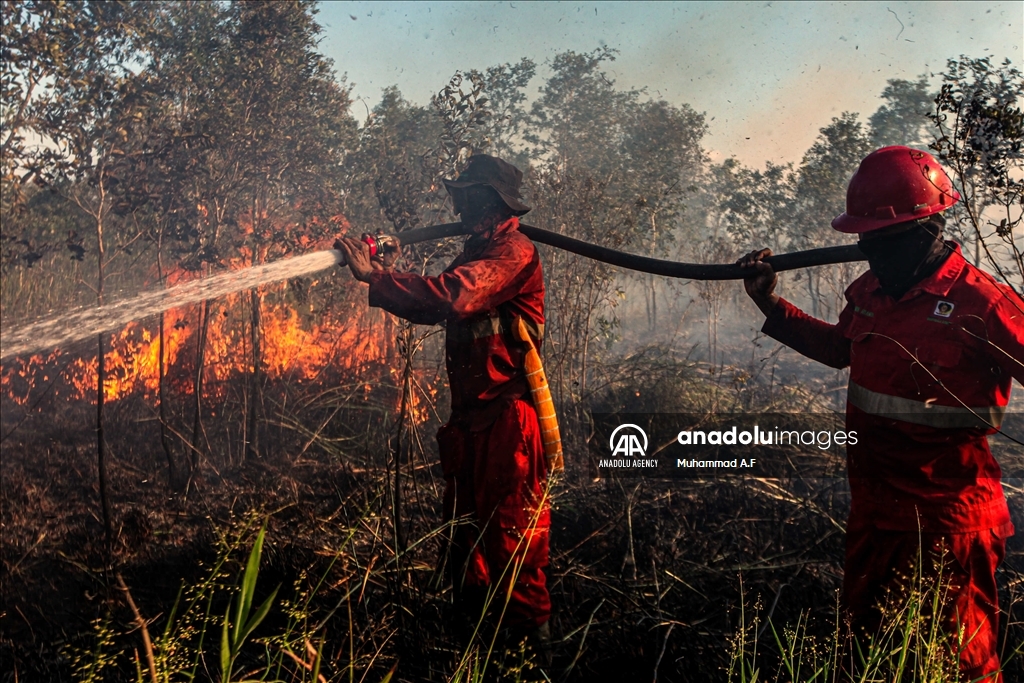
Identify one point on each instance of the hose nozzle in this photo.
(379, 245)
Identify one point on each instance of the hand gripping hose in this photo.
(541, 394)
(691, 271)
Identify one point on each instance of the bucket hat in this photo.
(501, 176)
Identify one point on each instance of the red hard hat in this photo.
(894, 185)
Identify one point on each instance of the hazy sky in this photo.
(767, 74)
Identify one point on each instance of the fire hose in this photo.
(68, 328)
(535, 375)
(693, 271)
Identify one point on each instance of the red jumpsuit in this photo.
(491, 451)
(924, 372)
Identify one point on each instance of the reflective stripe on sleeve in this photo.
(921, 413)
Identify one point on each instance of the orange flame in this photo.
(346, 340)
(350, 340)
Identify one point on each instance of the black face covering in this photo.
(480, 208)
(902, 260)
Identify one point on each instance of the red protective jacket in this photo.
(922, 371)
(478, 296)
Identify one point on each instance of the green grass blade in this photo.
(256, 618)
(252, 570)
(174, 613)
(390, 674)
(225, 648)
(319, 660)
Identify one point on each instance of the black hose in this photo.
(692, 271)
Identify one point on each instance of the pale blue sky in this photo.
(770, 73)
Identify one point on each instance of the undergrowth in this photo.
(644, 575)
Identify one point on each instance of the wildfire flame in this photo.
(351, 341)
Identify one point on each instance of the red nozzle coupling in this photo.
(378, 243)
(372, 241)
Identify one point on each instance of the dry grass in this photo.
(651, 580)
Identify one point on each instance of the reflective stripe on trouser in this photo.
(495, 482)
(922, 413)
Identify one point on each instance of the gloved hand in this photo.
(761, 284)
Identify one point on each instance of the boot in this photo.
(539, 641)
(535, 643)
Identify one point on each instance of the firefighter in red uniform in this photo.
(491, 452)
(933, 344)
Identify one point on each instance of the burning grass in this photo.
(347, 339)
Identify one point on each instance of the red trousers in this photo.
(883, 564)
(495, 490)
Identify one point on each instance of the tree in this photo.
(820, 194)
(662, 159)
(646, 153)
(502, 133)
(756, 205)
(386, 179)
(903, 119)
(579, 114)
(37, 42)
(248, 154)
(612, 167)
(288, 122)
(981, 125)
(81, 114)
(741, 209)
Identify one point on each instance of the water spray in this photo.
(68, 328)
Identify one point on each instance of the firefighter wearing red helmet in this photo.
(491, 448)
(933, 344)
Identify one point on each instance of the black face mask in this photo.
(902, 260)
(480, 208)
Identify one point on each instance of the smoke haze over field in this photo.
(768, 75)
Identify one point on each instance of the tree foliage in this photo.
(980, 124)
(67, 91)
(903, 118)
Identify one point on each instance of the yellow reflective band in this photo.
(542, 401)
(921, 413)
